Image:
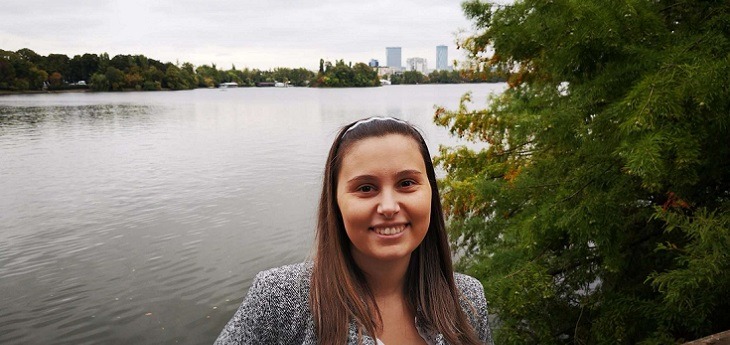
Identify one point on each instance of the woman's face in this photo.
(384, 197)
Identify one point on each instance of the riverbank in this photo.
(34, 92)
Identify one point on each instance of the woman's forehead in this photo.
(389, 153)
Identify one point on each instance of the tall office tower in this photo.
(417, 64)
(393, 57)
(442, 57)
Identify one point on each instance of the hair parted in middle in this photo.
(339, 292)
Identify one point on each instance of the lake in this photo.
(142, 218)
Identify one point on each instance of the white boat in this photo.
(280, 84)
(384, 82)
(227, 85)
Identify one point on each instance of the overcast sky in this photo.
(256, 34)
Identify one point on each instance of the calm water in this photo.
(141, 218)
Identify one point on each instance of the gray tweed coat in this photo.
(276, 311)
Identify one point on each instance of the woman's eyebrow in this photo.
(360, 178)
(409, 172)
(400, 174)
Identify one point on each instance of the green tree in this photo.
(299, 76)
(365, 75)
(56, 63)
(7, 70)
(99, 82)
(187, 73)
(25, 72)
(597, 213)
(115, 78)
(36, 77)
(81, 67)
(153, 74)
(122, 62)
(30, 56)
(103, 62)
(344, 75)
(180, 78)
(172, 79)
(208, 76)
(414, 77)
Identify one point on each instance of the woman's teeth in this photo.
(390, 230)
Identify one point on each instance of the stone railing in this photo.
(715, 339)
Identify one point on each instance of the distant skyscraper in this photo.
(393, 57)
(417, 64)
(373, 63)
(442, 57)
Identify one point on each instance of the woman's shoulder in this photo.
(285, 275)
(471, 291)
(468, 285)
(275, 310)
(474, 304)
(290, 282)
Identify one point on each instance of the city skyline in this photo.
(393, 54)
(241, 33)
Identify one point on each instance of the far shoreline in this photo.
(36, 92)
(41, 92)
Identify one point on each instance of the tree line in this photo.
(478, 74)
(347, 75)
(25, 70)
(598, 209)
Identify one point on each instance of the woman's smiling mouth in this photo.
(389, 230)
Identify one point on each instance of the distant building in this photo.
(393, 57)
(417, 64)
(387, 71)
(373, 63)
(442, 57)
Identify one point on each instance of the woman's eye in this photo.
(365, 189)
(407, 183)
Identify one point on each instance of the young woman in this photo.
(382, 272)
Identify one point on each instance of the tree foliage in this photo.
(467, 75)
(345, 75)
(26, 70)
(597, 213)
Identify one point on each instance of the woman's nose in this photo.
(388, 205)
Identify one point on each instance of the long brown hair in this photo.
(339, 291)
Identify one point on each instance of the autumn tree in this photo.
(594, 203)
(55, 79)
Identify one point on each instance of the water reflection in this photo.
(17, 116)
